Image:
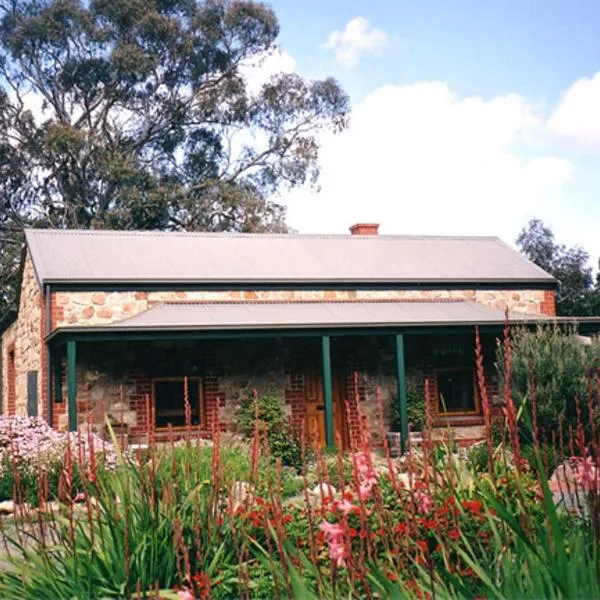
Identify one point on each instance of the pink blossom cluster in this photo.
(366, 474)
(334, 535)
(424, 503)
(587, 474)
(30, 442)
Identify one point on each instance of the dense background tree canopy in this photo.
(147, 120)
(578, 294)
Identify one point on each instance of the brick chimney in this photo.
(364, 229)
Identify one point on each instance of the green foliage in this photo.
(283, 443)
(152, 115)
(557, 363)
(415, 400)
(267, 409)
(577, 295)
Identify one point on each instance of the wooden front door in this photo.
(314, 416)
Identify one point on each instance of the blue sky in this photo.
(469, 116)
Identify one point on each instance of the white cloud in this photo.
(358, 37)
(577, 115)
(258, 71)
(419, 159)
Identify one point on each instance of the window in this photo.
(456, 391)
(32, 393)
(169, 401)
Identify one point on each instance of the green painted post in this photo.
(327, 390)
(72, 384)
(58, 378)
(401, 382)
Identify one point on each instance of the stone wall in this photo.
(26, 334)
(98, 308)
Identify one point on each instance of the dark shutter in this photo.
(32, 393)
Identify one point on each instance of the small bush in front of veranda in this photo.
(267, 413)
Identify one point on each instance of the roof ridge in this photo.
(323, 301)
(237, 235)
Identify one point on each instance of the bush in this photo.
(283, 443)
(34, 452)
(415, 399)
(557, 362)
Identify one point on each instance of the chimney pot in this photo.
(364, 229)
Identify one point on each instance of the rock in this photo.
(325, 489)
(241, 493)
(406, 480)
(7, 507)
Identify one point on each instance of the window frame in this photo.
(457, 413)
(201, 408)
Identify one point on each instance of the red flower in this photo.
(473, 506)
(454, 534)
(259, 501)
(429, 523)
(391, 576)
(422, 544)
(352, 533)
(287, 518)
(401, 528)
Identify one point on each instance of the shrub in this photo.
(32, 451)
(558, 362)
(283, 443)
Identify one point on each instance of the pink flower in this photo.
(366, 487)
(332, 530)
(334, 533)
(366, 474)
(424, 502)
(587, 474)
(185, 595)
(337, 553)
(346, 507)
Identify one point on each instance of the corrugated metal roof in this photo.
(292, 315)
(156, 257)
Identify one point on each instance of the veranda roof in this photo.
(100, 257)
(311, 315)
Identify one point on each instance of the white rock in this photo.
(325, 489)
(7, 507)
(406, 480)
(241, 493)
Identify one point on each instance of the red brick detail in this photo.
(294, 395)
(548, 305)
(44, 362)
(11, 380)
(354, 393)
(364, 229)
(213, 397)
(57, 313)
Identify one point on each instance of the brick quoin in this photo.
(548, 304)
(42, 392)
(12, 380)
(57, 312)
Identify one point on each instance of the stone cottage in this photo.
(127, 323)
